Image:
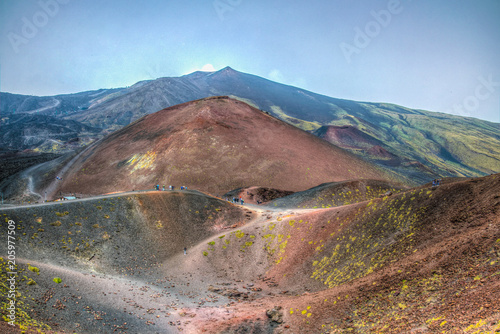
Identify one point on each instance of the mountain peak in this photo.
(227, 71)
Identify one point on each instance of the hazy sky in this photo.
(430, 54)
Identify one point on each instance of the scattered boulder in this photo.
(275, 314)
(230, 293)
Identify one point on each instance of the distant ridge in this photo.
(447, 145)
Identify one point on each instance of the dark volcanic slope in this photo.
(12, 163)
(215, 145)
(52, 105)
(44, 133)
(109, 253)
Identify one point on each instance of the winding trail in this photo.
(51, 189)
(56, 104)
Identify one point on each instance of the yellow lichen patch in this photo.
(358, 252)
(34, 269)
(24, 305)
(477, 325)
(142, 161)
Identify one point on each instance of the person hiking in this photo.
(242, 201)
(185, 251)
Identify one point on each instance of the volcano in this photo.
(214, 145)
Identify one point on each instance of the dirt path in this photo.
(50, 190)
(55, 104)
(127, 193)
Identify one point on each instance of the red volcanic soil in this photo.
(423, 261)
(215, 145)
(380, 152)
(347, 136)
(256, 195)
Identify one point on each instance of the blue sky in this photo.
(429, 54)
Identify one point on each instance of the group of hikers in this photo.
(236, 200)
(157, 187)
(436, 182)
